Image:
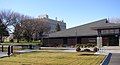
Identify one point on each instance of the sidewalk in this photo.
(115, 59)
(3, 54)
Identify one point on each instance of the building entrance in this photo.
(113, 41)
(110, 41)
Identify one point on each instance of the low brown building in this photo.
(101, 31)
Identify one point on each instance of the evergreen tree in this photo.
(57, 28)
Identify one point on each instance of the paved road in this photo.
(115, 59)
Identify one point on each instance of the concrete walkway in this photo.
(115, 50)
(115, 59)
(3, 54)
(65, 50)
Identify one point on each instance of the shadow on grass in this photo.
(88, 55)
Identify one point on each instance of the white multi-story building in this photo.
(52, 23)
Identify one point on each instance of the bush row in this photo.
(78, 49)
(85, 45)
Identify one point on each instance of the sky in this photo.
(73, 12)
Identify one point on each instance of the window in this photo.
(116, 30)
(113, 31)
(104, 31)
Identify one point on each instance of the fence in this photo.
(7, 48)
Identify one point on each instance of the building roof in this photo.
(106, 28)
(84, 30)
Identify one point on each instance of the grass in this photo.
(53, 58)
(53, 49)
(22, 42)
(6, 49)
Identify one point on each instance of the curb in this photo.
(107, 59)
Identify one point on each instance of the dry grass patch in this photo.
(53, 58)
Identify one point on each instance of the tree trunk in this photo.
(1, 38)
(18, 39)
(28, 40)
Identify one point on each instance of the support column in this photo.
(11, 49)
(2, 48)
(9, 52)
(119, 40)
(99, 42)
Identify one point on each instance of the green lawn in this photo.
(53, 58)
(22, 42)
(6, 49)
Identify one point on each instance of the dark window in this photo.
(65, 40)
(113, 31)
(116, 30)
(88, 40)
(104, 31)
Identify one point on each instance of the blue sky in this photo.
(73, 12)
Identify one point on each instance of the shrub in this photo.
(95, 49)
(78, 49)
(89, 45)
(85, 46)
(81, 46)
(87, 50)
(77, 45)
(11, 40)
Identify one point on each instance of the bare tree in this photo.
(34, 26)
(28, 29)
(41, 27)
(18, 28)
(3, 31)
(114, 20)
(18, 31)
(22, 24)
(9, 18)
(12, 20)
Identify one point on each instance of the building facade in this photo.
(101, 33)
(52, 23)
